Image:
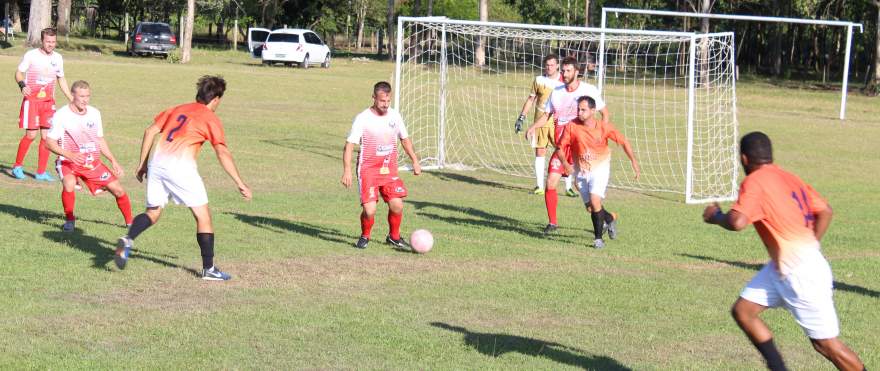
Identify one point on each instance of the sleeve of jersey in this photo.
(60, 66)
(25, 63)
(357, 131)
(817, 203)
(749, 201)
(57, 130)
(534, 91)
(402, 133)
(615, 135)
(597, 96)
(161, 119)
(216, 133)
(99, 124)
(548, 107)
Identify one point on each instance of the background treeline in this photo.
(804, 52)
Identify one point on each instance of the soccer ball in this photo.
(421, 240)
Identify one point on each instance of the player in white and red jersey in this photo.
(562, 106)
(40, 69)
(377, 130)
(172, 171)
(77, 137)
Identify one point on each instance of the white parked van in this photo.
(288, 46)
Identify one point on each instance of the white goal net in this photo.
(671, 93)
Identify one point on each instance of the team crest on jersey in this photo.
(105, 175)
(90, 124)
(398, 189)
(392, 124)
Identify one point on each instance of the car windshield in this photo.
(283, 38)
(155, 28)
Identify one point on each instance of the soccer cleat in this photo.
(214, 274)
(68, 226)
(550, 228)
(598, 243)
(571, 193)
(123, 251)
(44, 176)
(538, 191)
(611, 228)
(400, 244)
(18, 172)
(362, 242)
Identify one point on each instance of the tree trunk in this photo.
(481, 43)
(874, 84)
(586, 13)
(430, 8)
(186, 49)
(40, 18)
(361, 9)
(390, 26)
(417, 8)
(16, 17)
(63, 24)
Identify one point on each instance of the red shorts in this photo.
(556, 165)
(370, 189)
(36, 114)
(95, 179)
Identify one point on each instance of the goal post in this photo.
(671, 93)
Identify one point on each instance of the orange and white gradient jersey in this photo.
(541, 89)
(40, 71)
(78, 132)
(782, 207)
(183, 129)
(378, 137)
(589, 146)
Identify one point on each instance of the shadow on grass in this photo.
(297, 144)
(842, 286)
(453, 177)
(281, 226)
(7, 170)
(480, 218)
(495, 345)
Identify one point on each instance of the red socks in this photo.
(23, 147)
(394, 224)
(551, 199)
(42, 157)
(68, 200)
(366, 225)
(125, 207)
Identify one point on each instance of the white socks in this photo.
(568, 182)
(539, 171)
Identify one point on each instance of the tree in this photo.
(361, 7)
(63, 11)
(874, 82)
(389, 34)
(186, 43)
(481, 43)
(40, 18)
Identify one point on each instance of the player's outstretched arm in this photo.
(731, 221)
(62, 83)
(538, 123)
(105, 150)
(522, 113)
(411, 152)
(823, 220)
(228, 164)
(627, 148)
(146, 145)
(606, 115)
(346, 164)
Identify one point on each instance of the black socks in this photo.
(139, 224)
(771, 355)
(206, 244)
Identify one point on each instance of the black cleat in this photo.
(400, 244)
(362, 242)
(550, 228)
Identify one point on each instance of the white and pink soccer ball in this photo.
(421, 240)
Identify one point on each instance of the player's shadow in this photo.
(478, 218)
(842, 286)
(42, 217)
(297, 144)
(6, 169)
(282, 226)
(453, 177)
(495, 345)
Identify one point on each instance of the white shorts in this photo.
(184, 186)
(592, 182)
(805, 292)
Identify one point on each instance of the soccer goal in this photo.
(460, 86)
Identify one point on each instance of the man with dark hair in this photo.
(377, 130)
(77, 137)
(562, 106)
(791, 218)
(172, 172)
(40, 69)
(542, 86)
(585, 141)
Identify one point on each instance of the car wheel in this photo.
(326, 63)
(305, 62)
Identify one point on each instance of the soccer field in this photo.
(492, 294)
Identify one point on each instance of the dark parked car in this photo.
(152, 38)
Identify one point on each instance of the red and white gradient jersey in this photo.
(40, 71)
(78, 132)
(182, 130)
(563, 103)
(378, 136)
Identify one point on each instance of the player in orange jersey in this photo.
(585, 141)
(377, 130)
(77, 137)
(791, 218)
(40, 69)
(172, 172)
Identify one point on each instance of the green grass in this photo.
(492, 294)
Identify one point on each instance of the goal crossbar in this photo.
(820, 22)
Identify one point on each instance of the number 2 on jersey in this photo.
(804, 205)
(182, 119)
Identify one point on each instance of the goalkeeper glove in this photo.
(519, 122)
